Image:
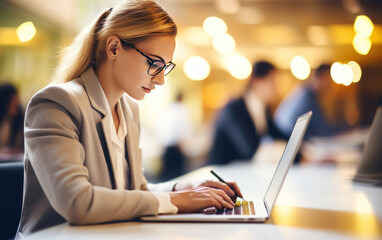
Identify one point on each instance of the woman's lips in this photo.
(147, 90)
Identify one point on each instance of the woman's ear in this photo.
(113, 46)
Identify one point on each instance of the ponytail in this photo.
(131, 20)
(77, 57)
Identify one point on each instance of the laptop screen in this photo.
(370, 167)
(287, 158)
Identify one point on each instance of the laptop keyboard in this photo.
(241, 208)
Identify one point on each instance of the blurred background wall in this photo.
(218, 41)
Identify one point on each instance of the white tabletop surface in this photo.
(316, 202)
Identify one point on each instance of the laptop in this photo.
(250, 211)
(370, 168)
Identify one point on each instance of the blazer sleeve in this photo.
(53, 131)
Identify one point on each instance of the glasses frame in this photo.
(151, 61)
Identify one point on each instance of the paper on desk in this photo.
(341, 148)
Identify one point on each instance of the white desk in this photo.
(316, 202)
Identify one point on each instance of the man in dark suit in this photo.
(244, 121)
(308, 97)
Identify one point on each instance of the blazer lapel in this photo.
(99, 103)
(105, 149)
(132, 146)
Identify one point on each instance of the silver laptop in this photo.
(250, 211)
(370, 167)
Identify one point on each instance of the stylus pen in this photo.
(221, 180)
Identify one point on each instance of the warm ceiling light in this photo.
(214, 26)
(224, 43)
(361, 44)
(341, 73)
(239, 67)
(347, 74)
(335, 72)
(357, 71)
(26, 31)
(363, 26)
(300, 67)
(196, 68)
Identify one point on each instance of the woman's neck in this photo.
(105, 77)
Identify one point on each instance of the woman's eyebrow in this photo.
(153, 55)
(157, 56)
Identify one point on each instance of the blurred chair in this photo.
(11, 197)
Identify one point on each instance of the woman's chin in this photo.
(138, 97)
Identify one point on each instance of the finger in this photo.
(223, 196)
(221, 200)
(215, 203)
(236, 187)
(219, 185)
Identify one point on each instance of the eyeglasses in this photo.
(155, 66)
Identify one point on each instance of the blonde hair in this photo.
(132, 21)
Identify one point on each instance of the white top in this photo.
(121, 166)
(256, 109)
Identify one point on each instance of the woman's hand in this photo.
(197, 199)
(225, 188)
(185, 185)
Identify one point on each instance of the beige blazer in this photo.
(69, 168)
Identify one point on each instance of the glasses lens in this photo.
(156, 67)
(169, 68)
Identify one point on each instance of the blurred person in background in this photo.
(243, 122)
(11, 120)
(307, 98)
(173, 129)
(82, 158)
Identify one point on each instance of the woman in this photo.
(82, 160)
(11, 120)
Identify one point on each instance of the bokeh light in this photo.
(26, 31)
(357, 72)
(347, 74)
(300, 67)
(224, 43)
(214, 26)
(239, 67)
(363, 26)
(341, 73)
(361, 44)
(335, 72)
(196, 68)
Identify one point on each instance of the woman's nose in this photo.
(159, 78)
